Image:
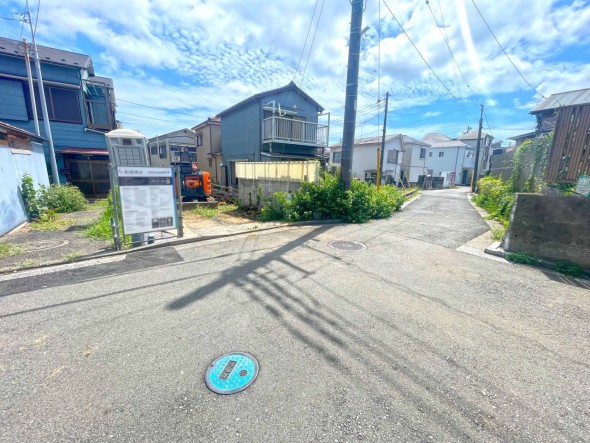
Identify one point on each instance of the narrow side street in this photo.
(406, 339)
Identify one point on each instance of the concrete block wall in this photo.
(551, 227)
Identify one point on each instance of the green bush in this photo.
(56, 199)
(65, 198)
(101, 230)
(496, 197)
(522, 258)
(328, 199)
(31, 199)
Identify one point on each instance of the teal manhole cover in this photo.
(344, 245)
(231, 373)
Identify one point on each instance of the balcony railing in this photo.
(286, 130)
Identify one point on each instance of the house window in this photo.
(430, 154)
(199, 139)
(210, 163)
(154, 150)
(336, 156)
(422, 153)
(98, 106)
(163, 151)
(441, 153)
(63, 104)
(392, 156)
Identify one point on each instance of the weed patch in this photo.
(10, 249)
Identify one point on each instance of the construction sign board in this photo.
(147, 199)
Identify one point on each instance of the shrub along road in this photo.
(406, 340)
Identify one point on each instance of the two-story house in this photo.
(450, 158)
(209, 153)
(485, 153)
(81, 108)
(364, 158)
(414, 160)
(175, 146)
(276, 125)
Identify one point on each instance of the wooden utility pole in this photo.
(352, 80)
(380, 165)
(476, 169)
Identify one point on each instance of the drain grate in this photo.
(231, 373)
(344, 245)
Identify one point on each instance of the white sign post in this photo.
(583, 186)
(147, 199)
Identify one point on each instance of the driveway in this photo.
(407, 339)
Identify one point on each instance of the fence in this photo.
(570, 154)
(258, 181)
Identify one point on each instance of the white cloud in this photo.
(201, 57)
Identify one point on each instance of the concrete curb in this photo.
(177, 242)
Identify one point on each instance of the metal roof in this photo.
(570, 98)
(449, 144)
(254, 97)
(15, 48)
(9, 128)
(435, 137)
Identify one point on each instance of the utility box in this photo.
(127, 148)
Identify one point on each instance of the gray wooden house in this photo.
(276, 125)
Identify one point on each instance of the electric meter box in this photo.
(127, 148)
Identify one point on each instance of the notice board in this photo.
(147, 199)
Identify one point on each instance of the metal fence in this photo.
(292, 130)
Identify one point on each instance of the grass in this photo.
(10, 249)
(212, 212)
(519, 257)
(52, 224)
(29, 263)
(498, 233)
(72, 256)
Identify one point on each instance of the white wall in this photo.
(454, 159)
(418, 166)
(12, 168)
(364, 158)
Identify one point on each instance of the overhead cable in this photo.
(504, 51)
(421, 56)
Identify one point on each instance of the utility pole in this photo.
(54, 171)
(476, 169)
(380, 166)
(352, 81)
(31, 88)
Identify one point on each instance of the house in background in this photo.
(81, 109)
(485, 153)
(209, 154)
(276, 125)
(174, 146)
(414, 160)
(568, 114)
(450, 158)
(21, 152)
(364, 158)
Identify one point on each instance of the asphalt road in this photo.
(406, 340)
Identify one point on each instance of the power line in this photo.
(504, 51)
(487, 122)
(445, 37)
(311, 44)
(37, 17)
(160, 109)
(418, 51)
(305, 43)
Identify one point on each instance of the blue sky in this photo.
(192, 59)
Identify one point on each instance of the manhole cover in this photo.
(231, 373)
(343, 245)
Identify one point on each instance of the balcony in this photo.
(296, 132)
